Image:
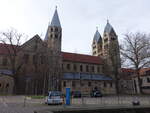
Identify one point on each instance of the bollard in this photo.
(67, 96)
(24, 103)
(82, 100)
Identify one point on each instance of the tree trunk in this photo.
(139, 81)
(140, 85)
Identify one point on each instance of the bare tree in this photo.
(136, 50)
(11, 40)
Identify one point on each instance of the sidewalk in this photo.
(80, 108)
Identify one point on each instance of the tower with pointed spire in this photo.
(53, 41)
(111, 49)
(109, 37)
(54, 33)
(97, 44)
(107, 47)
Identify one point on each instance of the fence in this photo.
(111, 100)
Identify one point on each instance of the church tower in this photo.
(54, 34)
(97, 44)
(111, 48)
(53, 41)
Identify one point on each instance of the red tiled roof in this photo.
(127, 70)
(5, 48)
(66, 56)
(132, 71)
(143, 71)
(127, 73)
(74, 57)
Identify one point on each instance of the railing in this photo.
(105, 100)
(111, 100)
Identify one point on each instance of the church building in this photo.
(46, 67)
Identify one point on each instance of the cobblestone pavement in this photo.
(20, 104)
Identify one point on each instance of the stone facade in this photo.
(86, 85)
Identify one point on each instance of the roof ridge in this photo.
(78, 54)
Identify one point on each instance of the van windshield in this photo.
(57, 93)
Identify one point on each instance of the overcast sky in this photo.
(78, 18)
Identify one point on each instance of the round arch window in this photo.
(51, 29)
(7, 85)
(56, 29)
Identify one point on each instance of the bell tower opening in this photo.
(54, 33)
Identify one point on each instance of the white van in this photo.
(54, 97)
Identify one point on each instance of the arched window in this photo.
(5, 61)
(68, 66)
(89, 84)
(51, 29)
(148, 79)
(111, 84)
(56, 29)
(75, 67)
(94, 47)
(51, 36)
(64, 84)
(98, 69)
(113, 38)
(105, 85)
(87, 68)
(62, 66)
(35, 59)
(94, 52)
(26, 58)
(43, 59)
(93, 69)
(7, 85)
(106, 39)
(56, 36)
(81, 68)
(73, 84)
(106, 46)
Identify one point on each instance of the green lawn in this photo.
(37, 96)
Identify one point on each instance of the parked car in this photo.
(96, 93)
(76, 94)
(54, 97)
